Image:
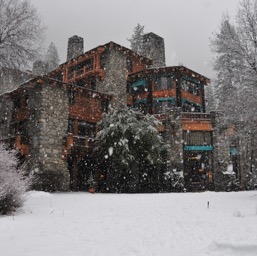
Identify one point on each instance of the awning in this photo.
(233, 151)
(141, 82)
(198, 148)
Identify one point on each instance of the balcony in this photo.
(196, 116)
(196, 122)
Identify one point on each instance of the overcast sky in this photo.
(185, 25)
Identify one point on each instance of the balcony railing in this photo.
(196, 116)
(79, 141)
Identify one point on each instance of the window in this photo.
(89, 64)
(93, 84)
(129, 65)
(71, 72)
(71, 126)
(80, 69)
(71, 97)
(86, 129)
(103, 60)
(16, 103)
(104, 105)
(142, 107)
(190, 87)
(164, 83)
(137, 87)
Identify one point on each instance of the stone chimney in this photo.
(154, 48)
(75, 47)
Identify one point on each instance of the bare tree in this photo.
(21, 32)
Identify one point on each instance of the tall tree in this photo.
(226, 64)
(21, 33)
(136, 41)
(52, 57)
(235, 47)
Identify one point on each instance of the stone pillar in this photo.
(75, 47)
(154, 48)
(221, 154)
(175, 138)
(48, 107)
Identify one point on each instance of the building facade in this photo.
(52, 119)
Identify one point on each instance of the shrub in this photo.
(13, 184)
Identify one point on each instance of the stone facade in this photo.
(75, 47)
(174, 138)
(115, 82)
(48, 123)
(154, 48)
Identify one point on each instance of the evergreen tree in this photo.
(136, 42)
(226, 63)
(52, 57)
(235, 47)
(128, 150)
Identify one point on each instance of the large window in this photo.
(86, 129)
(164, 83)
(190, 87)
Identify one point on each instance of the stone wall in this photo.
(115, 82)
(174, 138)
(75, 47)
(154, 48)
(48, 108)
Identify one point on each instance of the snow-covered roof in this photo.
(165, 69)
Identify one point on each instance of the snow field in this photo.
(70, 224)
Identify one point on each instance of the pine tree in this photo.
(235, 47)
(128, 150)
(136, 42)
(52, 57)
(226, 63)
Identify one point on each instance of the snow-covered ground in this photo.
(70, 224)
